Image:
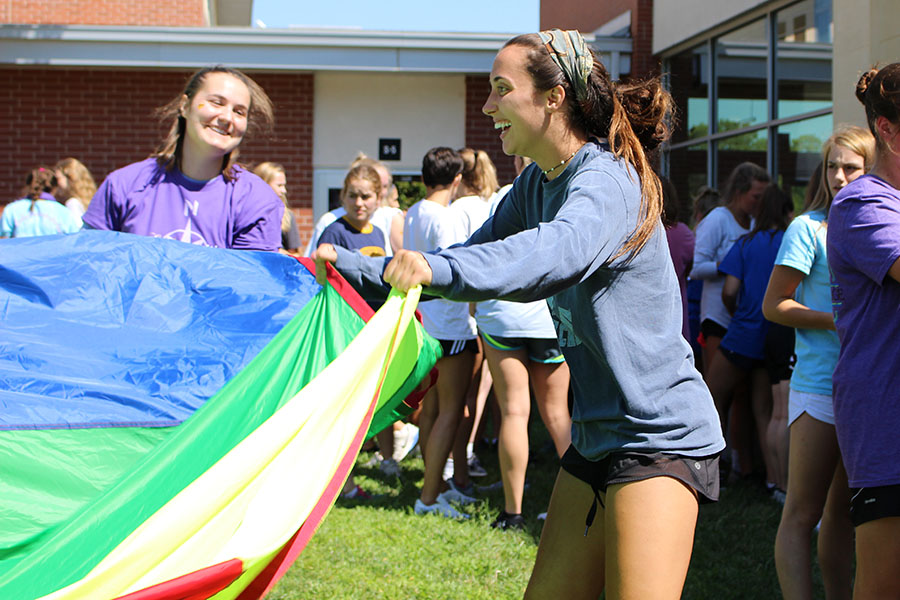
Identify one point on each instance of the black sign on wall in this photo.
(389, 149)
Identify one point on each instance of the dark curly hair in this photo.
(634, 116)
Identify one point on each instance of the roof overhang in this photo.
(229, 12)
(257, 48)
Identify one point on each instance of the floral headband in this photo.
(571, 54)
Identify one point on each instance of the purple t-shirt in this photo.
(863, 243)
(143, 198)
(681, 248)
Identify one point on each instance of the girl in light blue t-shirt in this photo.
(799, 295)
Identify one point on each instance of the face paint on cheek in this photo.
(200, 105)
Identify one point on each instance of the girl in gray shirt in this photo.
(581, 229)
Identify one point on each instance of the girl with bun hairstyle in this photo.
(863, 246)
(799, 296)
(191, 189)
(581, 228)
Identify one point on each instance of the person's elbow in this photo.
(770, 307)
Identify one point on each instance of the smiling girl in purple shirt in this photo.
(190, 189)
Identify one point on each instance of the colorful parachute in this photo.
(176, 421)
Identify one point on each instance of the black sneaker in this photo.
(507, 521)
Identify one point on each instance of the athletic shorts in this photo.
(873, 503)
(710, 328)
(454, 347)
(699, 474)
(541, 350)
(778, 352)
(819, 406)
(742, 361)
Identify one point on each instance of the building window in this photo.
(770, 101)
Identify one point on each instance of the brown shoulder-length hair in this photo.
(261, 118)
(634, 116)
(38, 181)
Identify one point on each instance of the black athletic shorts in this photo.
(779, 352)
(710, 328)
(742, 361)
(700, 474)
(542, 350)
(454, 347)
(872, 503)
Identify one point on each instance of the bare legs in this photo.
(638, 547)
(814, 464)
(440, 418)
(510, 370)
(777, 433)
(877, 557)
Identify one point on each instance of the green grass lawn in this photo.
(380, 549)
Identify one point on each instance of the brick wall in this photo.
(175, 13)
(480, 132)
(588, 16)
(104, 118)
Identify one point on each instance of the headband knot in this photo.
(571, 54)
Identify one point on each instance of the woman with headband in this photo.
(581, 228)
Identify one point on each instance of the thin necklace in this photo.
(564, 161)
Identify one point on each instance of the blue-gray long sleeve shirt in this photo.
(618, 320)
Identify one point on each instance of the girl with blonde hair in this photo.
(274, 174)
(76, 184)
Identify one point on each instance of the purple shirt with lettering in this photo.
(863, 243)
(144, 198)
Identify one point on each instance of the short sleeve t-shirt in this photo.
(24, 218)
(863, 243)
(369, 241)
(144, 198)
(751, 260)
(715, 236)
(429, 226)
(803, 249)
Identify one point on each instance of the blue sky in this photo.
(497, 16)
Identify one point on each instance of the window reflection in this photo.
(741, 77)
(690, 90)
(687, 169)
(732, 151)
(803, 59)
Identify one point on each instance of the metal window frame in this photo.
(770, 126)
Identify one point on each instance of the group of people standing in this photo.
(774, 314)
(578, 239)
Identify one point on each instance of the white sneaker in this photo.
(390, 467)
(405, 440)
(438, 508)
(542, 516)
(455, 496)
